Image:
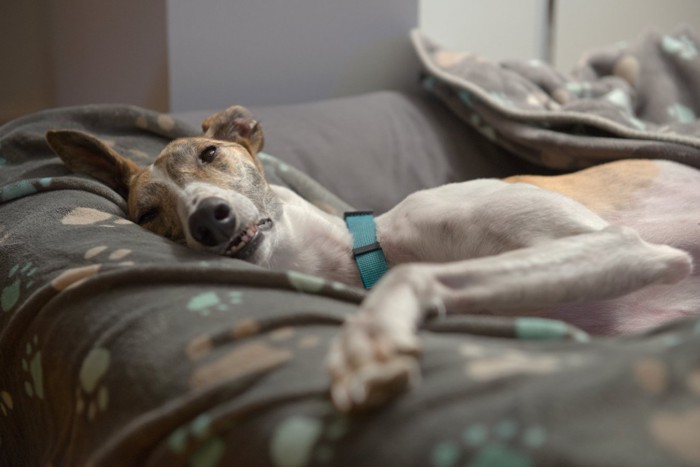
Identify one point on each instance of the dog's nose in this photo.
(212, 222)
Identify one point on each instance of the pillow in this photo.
(637, 100)
(374, 149)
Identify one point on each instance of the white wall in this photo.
(505, 29)
(588, 24)
(69, 52)
(256, 52)
(496, 29)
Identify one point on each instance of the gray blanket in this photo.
(639, 99)
(120, 348)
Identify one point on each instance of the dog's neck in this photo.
(312, 241)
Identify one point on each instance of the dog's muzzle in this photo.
(213, 222)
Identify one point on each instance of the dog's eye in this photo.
(148, 216)
(208, 155)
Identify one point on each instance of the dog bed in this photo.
(118, 347)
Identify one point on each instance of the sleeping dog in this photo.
(609, 249)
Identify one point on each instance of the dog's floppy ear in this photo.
(235, 124)
(86, 154)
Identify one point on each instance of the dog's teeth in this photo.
(238, 243)
(243, 241)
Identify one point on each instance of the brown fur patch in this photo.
(604, 188)
(180, 163)
(245, 360)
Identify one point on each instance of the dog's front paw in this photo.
(370, 363)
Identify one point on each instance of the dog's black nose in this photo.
(212, 222)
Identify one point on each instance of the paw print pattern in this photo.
(75, 276)
(197, 429)
(243, 360)
(92, 395)
(255, 357)
(300, 440)
(161, 123)
(293, 441)
(682, 46)
(288, 336)
(31, 364)
(102, 251)
(333, 431)
(504, 443)
(485, 363)
(210, 450)
(673, 428)
(89, 216)
(22, 274)
(207, 302)
(6, 403)
(502, 99)
(682, 113)
(448, 58)
(23, 188)
(307, 283)
(483, 127)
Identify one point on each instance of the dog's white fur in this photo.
(483, 246)
(480, 246)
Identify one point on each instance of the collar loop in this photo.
(366, 249)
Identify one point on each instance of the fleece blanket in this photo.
(118, 347)
(636, 99)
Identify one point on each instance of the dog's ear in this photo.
(235, 124)
(86, 154)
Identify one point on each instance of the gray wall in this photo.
(285, 51)
(69, 52)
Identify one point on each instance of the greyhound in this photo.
(609, 249)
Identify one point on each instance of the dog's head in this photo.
(207, 192)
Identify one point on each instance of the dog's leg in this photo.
(375, 355)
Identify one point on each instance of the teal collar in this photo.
(366, 249)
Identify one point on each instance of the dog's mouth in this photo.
(247, 241)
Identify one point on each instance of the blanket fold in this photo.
(631, 100)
